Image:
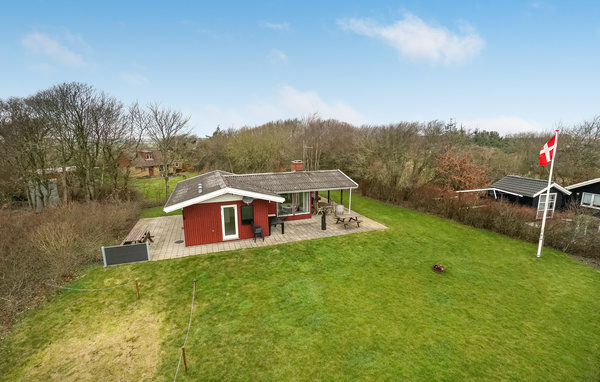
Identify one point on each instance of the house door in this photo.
(150, 171)
(229, 222)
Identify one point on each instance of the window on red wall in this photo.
(301, 202)
(294, 204)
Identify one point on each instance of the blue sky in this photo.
(496, 65)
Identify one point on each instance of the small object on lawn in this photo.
(438, 268)
(183, 355)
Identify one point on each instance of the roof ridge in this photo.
(280, 172)
(524, 177)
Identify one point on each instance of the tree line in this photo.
(395, 162)
(82, 137)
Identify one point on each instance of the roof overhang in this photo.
(222, 191)
(317, 189)
(350, 179)
(586, 183)
(558, 187)
(492, 189)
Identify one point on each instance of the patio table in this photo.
(346, 219)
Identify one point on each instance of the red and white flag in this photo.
(547, 152)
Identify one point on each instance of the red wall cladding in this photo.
(202, 222)
(272, 208)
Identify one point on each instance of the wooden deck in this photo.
(167, 232)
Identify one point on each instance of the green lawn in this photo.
(153, 190)
(364, 306)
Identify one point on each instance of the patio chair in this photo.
(258, 232)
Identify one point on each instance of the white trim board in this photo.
(316, 189)
(225, 198)
(220, 192)
(491, 189)
(581, 184)
(553, 185)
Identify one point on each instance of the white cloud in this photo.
(266, 111)
(415, 39)
(296, 103)
(133, 78)
(288, 102)
(77, 40)
(504, 125)
(276, 56)
(277, 26)
(41, 44)
(224, 117)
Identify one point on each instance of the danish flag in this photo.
(547, 152)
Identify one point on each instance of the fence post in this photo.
(184, 360)
(137, 288)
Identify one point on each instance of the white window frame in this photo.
(149, 156)
(291, 205)
(306, 203)
(540, 212)
(295, 196)
(591, 205)
(235, 214)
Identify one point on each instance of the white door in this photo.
(229, 222)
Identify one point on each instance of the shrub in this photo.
(51, 246)
(573, 231)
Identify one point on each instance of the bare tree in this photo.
(163, 128)
(50, 104)
(86, 126)
(26, 149)
(136, 123)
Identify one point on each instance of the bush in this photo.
(573, 231)
(52, 246)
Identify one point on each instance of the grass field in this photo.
(364, 306)
(153, 190)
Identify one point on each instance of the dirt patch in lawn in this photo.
(127, 351)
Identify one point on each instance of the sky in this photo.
(508, 66)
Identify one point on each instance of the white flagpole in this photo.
(541, 242)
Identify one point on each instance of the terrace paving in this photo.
(167, 232)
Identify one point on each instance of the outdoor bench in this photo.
(138, 235)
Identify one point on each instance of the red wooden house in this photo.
(220, 206)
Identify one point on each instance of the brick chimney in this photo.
(297, 165)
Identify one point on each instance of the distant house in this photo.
(220, 206)
(586, 194)
(528, 192)
(150, 163)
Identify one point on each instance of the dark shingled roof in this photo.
(268, 183)
(282, 182)
(521, 185)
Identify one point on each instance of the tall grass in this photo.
(52, 246)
